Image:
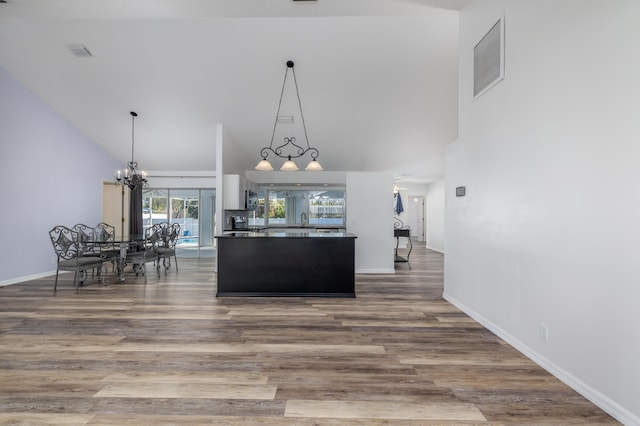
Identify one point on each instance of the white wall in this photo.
(183, 179)
(549, 232)
(371, 220)
(233, 186)
(301, 177)
(435, 216)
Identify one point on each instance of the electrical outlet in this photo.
(543, 332)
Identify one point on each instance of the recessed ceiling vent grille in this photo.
(79, 50)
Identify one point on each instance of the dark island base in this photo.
(276, 294)
(282, 267)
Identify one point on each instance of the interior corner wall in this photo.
(548, 233)
(370, 218)
(234, 157)
(233, 191)
(50, 174)
(435, 216)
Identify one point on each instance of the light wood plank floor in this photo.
(170, 352)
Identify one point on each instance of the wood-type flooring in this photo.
(171, 353)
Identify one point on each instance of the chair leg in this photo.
(176, 262)
(55, 284)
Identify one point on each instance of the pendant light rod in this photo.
(133, 132)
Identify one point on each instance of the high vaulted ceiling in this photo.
(377, 78)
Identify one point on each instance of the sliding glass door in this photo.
(193, 209)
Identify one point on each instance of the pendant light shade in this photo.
(289, 166)
(264, 166)
(314, 166)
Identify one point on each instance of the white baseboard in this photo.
(435, 249)
(376, 271)
(28, 278)
(611, 407)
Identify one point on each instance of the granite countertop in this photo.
(284, 234)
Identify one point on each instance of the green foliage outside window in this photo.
(276, 209)
(181, 208)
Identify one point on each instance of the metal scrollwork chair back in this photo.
(86, 239)
(106, 233)
(70, 255)
(170, 234)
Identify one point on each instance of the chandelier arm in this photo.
(295, 81)
(290, 141)
(275, 122)
(264, 152)
(313, 152)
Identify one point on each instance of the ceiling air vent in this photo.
(79, 50)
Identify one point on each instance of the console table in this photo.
(404, 233)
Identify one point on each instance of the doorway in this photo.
(115, 207)
(417, 216)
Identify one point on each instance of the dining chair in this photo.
(70, 256)
(146, 253)
(105, 235)
(167, 248)
(87, 240)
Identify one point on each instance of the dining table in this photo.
(120, 246)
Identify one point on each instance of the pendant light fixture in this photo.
(130, 176)
(289, 149)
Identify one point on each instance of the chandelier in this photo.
(289, 149)
(131, 177)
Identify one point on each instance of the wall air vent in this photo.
(488, 59)
(285, 119)
(79, 50)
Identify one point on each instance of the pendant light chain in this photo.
(295, 81)
(275, 123)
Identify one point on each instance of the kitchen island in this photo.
(286, 263)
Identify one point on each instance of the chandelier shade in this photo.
(289, 149)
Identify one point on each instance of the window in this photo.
(300, 207)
